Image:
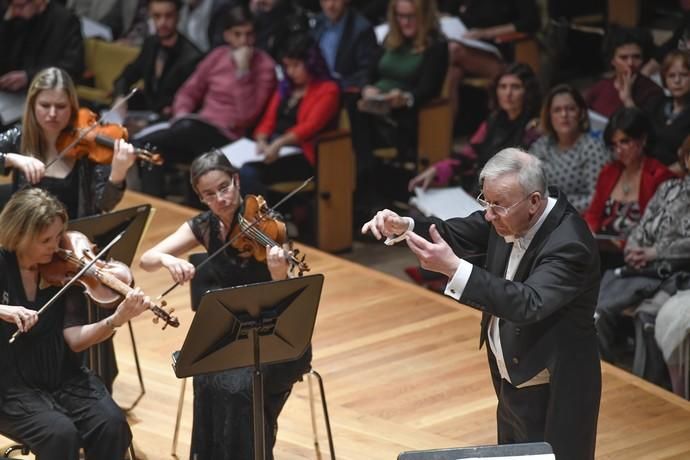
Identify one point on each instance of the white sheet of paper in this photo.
(444, 203)
(244, 151)
(11, 107)
(454, 29)
(597, 122)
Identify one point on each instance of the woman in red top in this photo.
(625, 185)
(306, 102)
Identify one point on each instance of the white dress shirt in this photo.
(457, 283)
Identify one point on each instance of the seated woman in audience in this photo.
(49, 401)
(572, 158)
(306, 103)
(671, 115)
(219, 103)
(83, 186)
(485, 20)
(408, 74)
(222, 428)
(516, 99)
(626, 185)
(661, 238)
(624, 50)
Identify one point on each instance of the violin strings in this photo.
(261, 237)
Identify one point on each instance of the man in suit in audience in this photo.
(35, 34)
(537, 290)
(347, 41)
(166, 60)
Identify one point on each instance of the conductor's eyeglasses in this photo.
(499, 210)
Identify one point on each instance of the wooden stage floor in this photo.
(401, 368)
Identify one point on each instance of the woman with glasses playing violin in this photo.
(84, 187)
(48, 400)
(222, 426)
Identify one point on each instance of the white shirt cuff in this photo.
(456, 285)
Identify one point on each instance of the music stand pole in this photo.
(258, 399)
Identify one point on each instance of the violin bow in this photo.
(270, 211)
(86, 131)
(74, 278)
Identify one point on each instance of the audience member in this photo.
(671, 115)
(409, 72)
(572, 159)
(305, 103)
(119, 15)
(662, 238)
(486, 20)
(219, 103)
(164, 63)
(347, 42)
(35, 34)
(679, 40)
(135, 21)
(516, 98)
(624, 186)
(624, 50)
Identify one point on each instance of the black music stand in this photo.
(101, 229)
(251, 325)
(526, 451)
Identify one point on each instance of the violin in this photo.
(257, 229)
(98, 142)
(105, 282)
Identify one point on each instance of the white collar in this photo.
(524, 241)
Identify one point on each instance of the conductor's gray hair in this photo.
(528, 168)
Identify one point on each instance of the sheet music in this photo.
(454, 29)
(11, 107)
(244, 151)
(444, 203)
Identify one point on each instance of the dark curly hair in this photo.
(633, 122)
(302, 47)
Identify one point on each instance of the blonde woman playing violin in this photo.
(84, 187)
(223, 401)
(48, 400)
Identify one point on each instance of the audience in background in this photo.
(305, 103)
(671, 114)
(35, 34)
(134, 21)
(409, 72)
(486, 20)
(164, 63)
(572, 159)
(219, 103)
(516, 99)
(274, 19)
(661, 241)
(624, 49)
(679, 40)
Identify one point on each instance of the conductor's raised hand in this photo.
(385, 223)
(435, 255)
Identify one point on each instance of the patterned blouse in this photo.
(574, 170)
(666, 221)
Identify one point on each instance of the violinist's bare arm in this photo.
(79, 338)
(167, 254)
(24, 318)
(31, 167)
